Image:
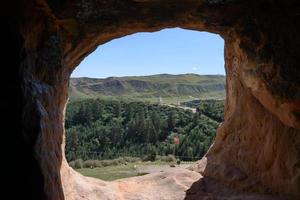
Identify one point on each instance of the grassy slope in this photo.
(181, 78)
(172, 88)
(111, 173)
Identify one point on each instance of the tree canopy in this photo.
(106, 129)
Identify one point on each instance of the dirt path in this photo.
(181, 107)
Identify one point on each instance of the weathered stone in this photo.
(257, 147)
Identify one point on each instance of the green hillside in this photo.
(171, 88)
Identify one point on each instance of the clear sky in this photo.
(172, 51)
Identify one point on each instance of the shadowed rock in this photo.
(257, 148)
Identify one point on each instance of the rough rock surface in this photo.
(258, 145)
(169, 184)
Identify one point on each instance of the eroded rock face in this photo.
(258, 145)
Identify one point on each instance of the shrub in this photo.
(119, 160)
(151, 158)
(72, 164)
(114, 162)
(99, 163)
(90, 164)
(168, 158)
(105, 163)
(132, 159)
(78, 163)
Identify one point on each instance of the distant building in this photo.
(160, 101)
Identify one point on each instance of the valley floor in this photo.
(111, 173)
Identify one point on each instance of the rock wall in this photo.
(254, 150)
(257, 146)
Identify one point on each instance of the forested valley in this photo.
(107, 129)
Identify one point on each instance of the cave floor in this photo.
(169, 184)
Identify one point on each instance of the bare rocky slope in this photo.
(257, 148)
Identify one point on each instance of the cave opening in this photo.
(134, 96)
(257, 146)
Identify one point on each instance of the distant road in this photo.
(182, 107)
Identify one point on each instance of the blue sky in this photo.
(172, 51)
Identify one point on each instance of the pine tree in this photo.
(171, 121)
(152, 133)
(156, 121)
(71, 145)
(118, 110)
(128, 112)
(116, 131)
(141, 126)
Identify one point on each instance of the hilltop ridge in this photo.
(148, 88)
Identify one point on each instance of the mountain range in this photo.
(180, 87)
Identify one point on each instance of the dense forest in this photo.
(107, 129)
(212, 108)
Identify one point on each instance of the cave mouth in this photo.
(257, 146)
(171, 80)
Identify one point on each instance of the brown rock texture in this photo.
(169, 184)
(257, 148)
(166, 185)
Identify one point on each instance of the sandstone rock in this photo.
(257, 148)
